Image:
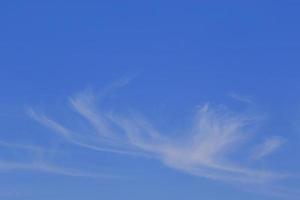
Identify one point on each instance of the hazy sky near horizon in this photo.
(149, 100)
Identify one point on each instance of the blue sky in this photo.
(149, 100)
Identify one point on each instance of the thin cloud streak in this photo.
(34, 158)
(48, 168)
(84, 141)
(84, 104)
(27, 147)
(269, 146)
(241, 98)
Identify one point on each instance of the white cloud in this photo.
(241, 98)
(34, 158)
(268, 147)
(204, 150)
(46, 167)
(26, 147)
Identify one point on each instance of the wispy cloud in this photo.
(241, 98)
(47, 167)
(34, 158)
(210, 147)
(267, 147)
(203, 150)
(97, 141)
(26, 147)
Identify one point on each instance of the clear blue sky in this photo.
(149, 100)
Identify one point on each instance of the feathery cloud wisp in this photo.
(204, 150)
(268, 147)
(47, 167)
(241, 98)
